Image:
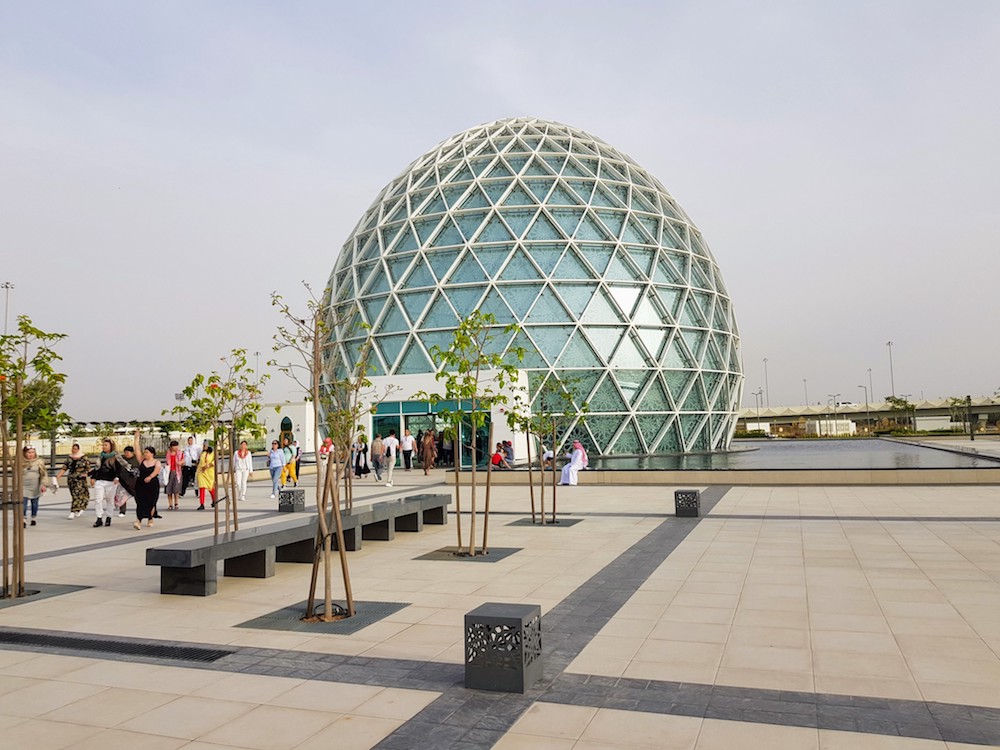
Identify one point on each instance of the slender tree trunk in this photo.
(458, 485)
(553, 477)
(541, 482)
(472, 489)
(232, 478)
(486, 506)
(19, 491)
(215, 479)
(348, 592)
(7, 490)
(531, 478)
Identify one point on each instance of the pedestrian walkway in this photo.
(791, 617)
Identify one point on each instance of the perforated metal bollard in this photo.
(687, 503)
(503, 647)
(291, 501)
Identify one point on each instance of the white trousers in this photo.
(390, 464)
(242, 475)
(104, 497)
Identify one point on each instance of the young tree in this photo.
(901, 406)
(44, 414)
(27, 372)
(339, 391)
(226, 404)
(475, 373)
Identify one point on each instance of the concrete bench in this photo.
(190, 568)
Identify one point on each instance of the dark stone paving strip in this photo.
(919, 519)
(899, 718)
(461, 719)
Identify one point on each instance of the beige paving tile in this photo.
(767, 679)
(512, 741)
(111, 707)
(554, 720)
(832, 740)
(680, 652)
(760, 636)
(46, 665)
(723, 735)
(967, 694)
(44, 696)
(39, 734)
(395, 703)
(904, 689)
(339, 697)
(612, 728)
(270, 728)
(187, 717)
(14, 684)
(767, 657)
(352, 733)
(116, 739)
(248, 688)
(857, 664)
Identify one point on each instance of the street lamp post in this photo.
(870, 389)
(767, 389)
(758, 396)
(868, 415)
(892, 377)
(968, 415)
(6, 286)
(805, 387)
(913, 424)
(833, 398)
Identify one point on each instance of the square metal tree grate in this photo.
(37, 591)
(564, 522)
(290, 618)
(495, 554)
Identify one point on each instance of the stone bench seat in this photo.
(190, 567)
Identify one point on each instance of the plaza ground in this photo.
(786, 617)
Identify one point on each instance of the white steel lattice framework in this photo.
(614, 288)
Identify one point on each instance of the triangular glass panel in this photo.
(690, 314)
(449, 235)
(591, 230)
(562, 196)
(650, 426)
(627, 442)
(416, 199)
(620, 268)
(479, 165)
(414, 361)
(675, 354)
(619, 191)
(650, 225)
(640, 201)
(420, 275)
(406, 241)
(398, 212)
(697, 246)
(414, 303)
(496, 340)
(583, 188)
(537, 168)
(545, 256)
(711, 381)
(571, 267)
(610, 172)
(425, 228)
(540, 188)
(602, 197)
(734, 358)
(519, 296)
(597, 255)
(465, 299)
(532, 141)
(378, 282)
(397, 267)
(568, 218)
(699, 277)
(439, 315)
(694, 339)
(435, 206)
(531, 358)
(494, 305)
(633, 233)
(625, 296)
(555, 163)
(665, 273)
(629, 355)
(691, 425)
(468, 271)
(550, 340)
(518, 219)
(601, 310)
(547, 308)
(652, 340)
(671, 297)
(493, 257)
(578, 353)
(642, 258)
(516, 163)
(373, 307)
(677, 381)
(607, 398)
(572, 169)
(519, 268)
(469, 223)
(391, 346)
(604, 339)
(394, 320)
(631, 382)
(494, 231)
(646, 313)
(518, 196)
(550, 145)
(613, 220)
(656, 398)
(499, 170)
(577, 296)
(695, 400)
(580, 383)
(591, 165)
(475, 199)
(543, 229)
(670, 441)
(495, 190)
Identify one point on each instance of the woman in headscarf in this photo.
(360, 450)
(33, 477)
(77, 468)
(428, 450)
(105, 478)
(206, 476)
(577, 461)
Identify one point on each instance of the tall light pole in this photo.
(870, 389)
(906, 398)
(758, 396)
(892, 378)
(833, 398)
(767, 389)
(805, 387)
(6, 286)
(868, 415)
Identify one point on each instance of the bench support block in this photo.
(254, 565)
(199, 581)
(297, 552)
(383, 531)
(411, 522)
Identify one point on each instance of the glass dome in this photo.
(614, 289)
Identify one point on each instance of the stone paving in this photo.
(798, 617)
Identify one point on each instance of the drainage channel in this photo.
(145, 649)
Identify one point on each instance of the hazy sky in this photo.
(165, 166)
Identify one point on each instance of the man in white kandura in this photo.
(577, 461)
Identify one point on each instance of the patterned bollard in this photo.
(291, 501)
(503, 647)
(687, 503)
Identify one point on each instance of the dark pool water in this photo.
(807, 454)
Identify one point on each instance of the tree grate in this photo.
(109, 646)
